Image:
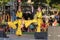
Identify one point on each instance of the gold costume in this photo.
(19, 22)
(38, 17)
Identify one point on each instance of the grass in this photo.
(31, 33)
(28, 32)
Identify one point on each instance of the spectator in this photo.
(3, 33)
(44, 26)
(50, 21)
(32, 27)
(59, 18)
(56, 16)
(13, 16)
(55, 23)
(38, 17)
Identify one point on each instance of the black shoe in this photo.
(19, 35)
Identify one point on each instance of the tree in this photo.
(3, 2)
(48, 1)
(55, 4)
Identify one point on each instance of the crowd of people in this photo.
(30, 21)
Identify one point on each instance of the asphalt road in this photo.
(53, 34)
(23, 37)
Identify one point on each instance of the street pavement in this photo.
(53, 33)
(23, 37)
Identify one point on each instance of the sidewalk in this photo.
(23, 37)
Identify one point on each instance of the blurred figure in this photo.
(44, 26)
(55, 23)
(3, 33)
(13, 16)
(38, 17)
(18, 21)
(3, 26)
(59, 18)
(50, 21)
(56, 16)
(19, 13)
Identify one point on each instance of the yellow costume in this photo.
(19, 14)
(19, 22)
(12, 25)
(19, 31)
(27, 23)
(38, 17)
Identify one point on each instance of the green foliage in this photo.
(56, 6)
(6, 0)
(55, 1)
(48, 1)
(3, 2)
